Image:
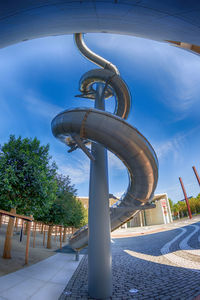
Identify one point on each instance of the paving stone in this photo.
(144, 268)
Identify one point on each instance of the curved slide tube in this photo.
(115, 134)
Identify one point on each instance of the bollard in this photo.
(77, 256)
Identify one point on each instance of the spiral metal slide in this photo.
(78, 127)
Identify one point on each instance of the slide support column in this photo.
(99, 246)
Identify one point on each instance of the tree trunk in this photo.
(42, 229)
(55, 234)
(28, 241)
(60, 237)
(1, 219)
(34, 233)
(49, 236)
(9, 233)
(44, 232)
(64, 234)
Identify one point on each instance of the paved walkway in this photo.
(44, 280)
(136, 231)
(157, 266)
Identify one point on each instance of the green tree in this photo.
(197, 202)
(176, 210)
(74, 212)
(54, 215)
(66, 209)
(182, 208)
(64, 185)
(192, 203)
(27, 177)
(171, 204)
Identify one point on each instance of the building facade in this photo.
(161, 214)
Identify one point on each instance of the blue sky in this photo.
(39, 78)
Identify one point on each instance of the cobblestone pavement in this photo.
(163, 265)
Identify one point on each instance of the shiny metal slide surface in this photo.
(80, 126)
(128, 144)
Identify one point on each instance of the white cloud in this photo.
(44, 48)
(114, 162)
(175, 70)
(119, 194)
(77, 166)
(175, 192)
(170, 147)
(185, 88)
(174, 145)
(40, 107)
(180, 78)
(77, 169)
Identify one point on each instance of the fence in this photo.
(28, 225)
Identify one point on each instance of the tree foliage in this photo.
(66, 209)
(27, 178)
(75, 213)
(29, 183)
(170, 203)
(64, 185)
(179, 209)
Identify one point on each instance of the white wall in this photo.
(161, 214)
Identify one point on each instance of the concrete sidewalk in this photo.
(43, 280)
(135, 231)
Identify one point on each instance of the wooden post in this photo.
(196, 174)
(34, 234)
(186, 198)
(64, 234)
(44, 231)
(9, 234)
(16, 223)
(49, 237)
(25, 227)
(27, 241)
(60, 237)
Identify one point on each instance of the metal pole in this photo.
(196, 174)
(99, 246)
(186, 198)
(77, 256)
(145, 220)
